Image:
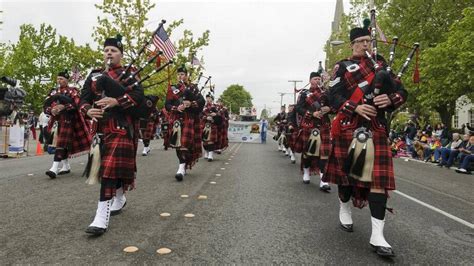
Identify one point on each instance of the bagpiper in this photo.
(210, 122)
(361, 162)
(280, 121)
(184, 106)
(148, 125)
(115, 130)
(165, 126)
(313, 141)
(223, 140)
(70, 129)
(291, 132)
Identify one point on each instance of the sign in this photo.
(241, 131)
(248, 111)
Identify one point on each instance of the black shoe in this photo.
(385, 252)
(64, 172)
(51, 174)
(144, 154)
(209, 160)
(293, 162)
(325, 188)
(306, 182)
(97, 231)
(440, 165)
(179, 177)
(347, 227)
(113, 213)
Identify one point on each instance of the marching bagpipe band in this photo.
(360, 160)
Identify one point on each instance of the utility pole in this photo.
(294, 89)
(281, 97)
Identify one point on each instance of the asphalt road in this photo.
(258, 211)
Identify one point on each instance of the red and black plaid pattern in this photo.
(382, 177)
(365, 69)
(72, 128)
(148, 126)
(303, 136)
(119, 150)
(187, 129)
(214, 137)
(197, 149)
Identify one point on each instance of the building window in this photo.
(456, 121)
(471, 117)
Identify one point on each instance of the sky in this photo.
(257, 44)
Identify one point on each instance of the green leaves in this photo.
(235, 96)
(38, 56)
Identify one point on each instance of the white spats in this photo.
(306, 174)
(210, 157)
(181, 169)
(55, 167)
(292, 155)
(102, 215)
(345, 212)
(206, 154)
(66, 166)
(323, 184)
(118, 201)
(377, 238)
(146, 150)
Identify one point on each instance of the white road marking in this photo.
(455, 218)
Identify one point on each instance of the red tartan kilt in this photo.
(382, 177)
(214, 135)
(303, 137)
(119, 152)
(223, 140)
(197, 149)
(73, 135)
(149, 131)
(187, 129)
(290, 140)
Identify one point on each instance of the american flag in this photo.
(76, 75)
(163, 42)
(196, 62)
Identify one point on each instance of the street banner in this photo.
(242, 131)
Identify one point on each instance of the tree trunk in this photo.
(446, 113)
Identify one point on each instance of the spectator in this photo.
(444, 136)
(43, 125)
(464, 152)
(434, 144)
(263, 130)
(465, 165)
(449, 156)
(446, 148)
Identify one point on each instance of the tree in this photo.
(38, 56)
(449, 68)
(264, 114)
(235, 96)
(129, 18)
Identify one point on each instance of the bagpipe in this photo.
(128, 80)
(361, 153)
(11, 97)
(57, 97)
